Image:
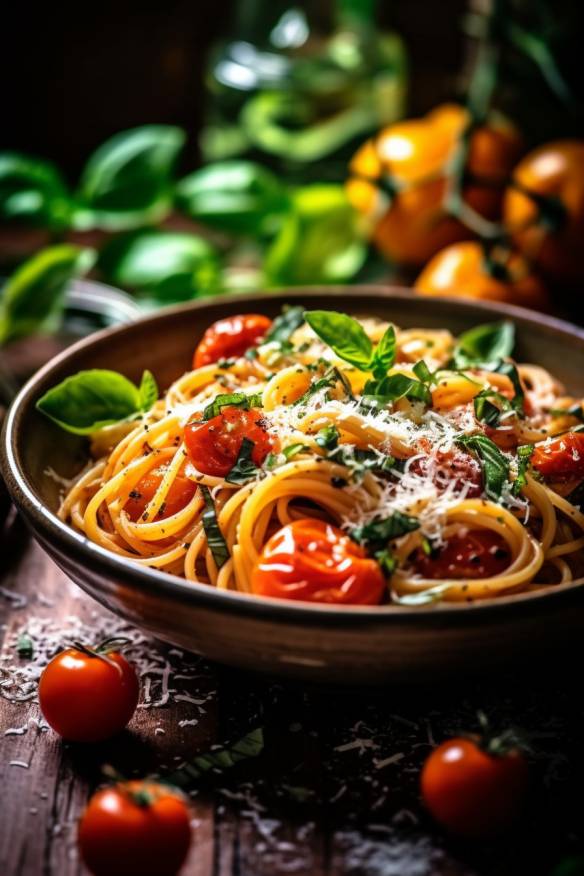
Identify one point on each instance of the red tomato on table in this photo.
(562, 459)
(214, 445)
(230, 338)
(317, 562)
(135, 829)
(478, 553)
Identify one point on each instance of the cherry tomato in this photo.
(214, 445)
(88, 696)
(317, 562)
(478, 553)
(413, 155)
(562, 459)
(550, 236)
(179, 495)
(452, 467)
(230, 338)
(471, 792)
(135, 829)
(461, 270)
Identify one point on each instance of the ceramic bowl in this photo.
(359, 645)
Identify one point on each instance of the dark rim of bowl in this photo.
(162, 583)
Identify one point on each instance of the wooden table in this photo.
(335, 790)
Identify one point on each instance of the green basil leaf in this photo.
(148, 391)
(90, 400)
(422, 372)
(384, 354)
(573, 411)
(344, 335)
(215, 539)
(235, 196)
(217, 760)
(319, 241)
(387, 561)
(244, 469)
(25, 646)
(169, 266)
(400, 386)
(495, 466)
(484, 343)
(293, 449)
(377, 533)
(486, 411)
(127, 180)
(524, 454)
(331, 378)
(233, 400)
(361, 461)
(33, 298)
(33, 191)
(328, 438)
(509, 369)
(285, 324)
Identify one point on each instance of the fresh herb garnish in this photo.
(233, 400)
(244, 470)
(524, 454)
(509, 369)
(422, 372)
(331, 378)
(215, 540)
(361, 461)
(573, 411)
(328, 438)
(91, 400)
(484, 343)
(284, 326)
(251, 745)
(348, 339)
(293, 449)
(486, 411)
(398, 386)
(495, 466)
(25, 646)
(377, 534)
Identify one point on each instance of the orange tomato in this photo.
(317, 562)
(231, 337)
(462, 271)
(413, 157)
(554, 171)
(136, 828)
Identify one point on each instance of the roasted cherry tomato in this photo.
(317, 562)
(135, 829)
(88, 695)
(461, 270)
(478, 553)
(561, 459)
(549, 226)
(179, 495)
(471, 792)
(214, 445)
(454, 469)
(412, 156)
(230, 338)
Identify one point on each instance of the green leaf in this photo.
(319, 241)
(509, 369)
(384, 354)
(244, 470)
(398, 386)
(331, 378)
(233, 400)
(32, 191)
(422, 372)
(495, 466)
(524, 454)
(90, 400)
(293, 449)
(344, 335)
(235, 196)
(25, 646)
(147, 391)
(127, 181)
(33, 298)
(484, 343)
(573, 411)
(215, 539)
(169, 266)
(328, 438)
(486, 411)
(376, 534)
(251, 745)
(285, 324)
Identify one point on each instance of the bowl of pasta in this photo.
(347, 485)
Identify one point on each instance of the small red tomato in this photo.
(471, 792)
(88, 696)
(179, 495)
(478, 553)
(135, 829)
(230, 338)
(214, 445)
(562, 459)
(317, 562)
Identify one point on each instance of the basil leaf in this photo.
(328, 438)
(127, 180)
(344, 335)
(215, 540)
(327, 381)
(233, 399)
(361, 461)
(384, 354)
(484, 343)
(235, 196)
(25, 646)
(33, 191)
(217, 760)
(90, 400)
(486, 411)
(400, 386)
(378, 532)
(422, 372)
(285, 324)
(293, 449)
(169, 266)
(494, 465)
(524, 454)
(573, 411)
(33, 298)
(387, 561)
(244, 470)
(509, 369)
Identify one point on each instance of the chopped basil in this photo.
(285, 325)
(484, 343)
(233, 400)
(386, 560)
(293, 449)
(422, 372)
(328, 438)
(378, 532)
(25, 646)
(361, 461)
(244, 470)
(510, 371)
(572, 411)
(251, 745)
(398, 386)
(327, 381)
(524, 454)
(494, 465)
(486, 411)
(348, 339)
(215, 540)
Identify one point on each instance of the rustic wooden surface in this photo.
(335, 790)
